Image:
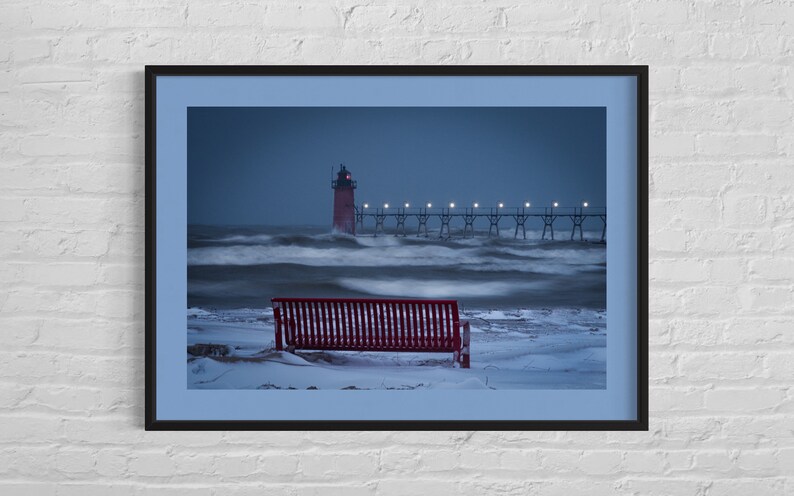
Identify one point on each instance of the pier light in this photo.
(452, 205)
(585, 204)
(526, 204)
(366, 205)
(555, 204)
(476, 205)
(385, 205)
(429, 205)
(407, 204)
(501, 205)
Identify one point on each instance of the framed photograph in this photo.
(396, 248)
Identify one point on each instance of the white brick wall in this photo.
(722, 248)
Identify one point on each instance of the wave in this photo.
(231, 267)
(391, 252)
(303, 255)
(251, 239)
(417, 288)
(384, 257)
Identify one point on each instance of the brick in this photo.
(743, 400)
(665, 12)
(758, 113)
(31, 488)
(728, 270)
(601, 462)
(441, 51)
(31, 49)
(745, 210)
(64, 399)
(460, 18)
(697, 332)
(482, 50)
(56, 74)
(544, 15)
(737, 144)
(281, 465)
(775, 269)
(758, 487)
(75, 461)
(95, 489)
(708, 79)
(30, 429)
(668, 240)
(112, 462)
(152, 465)
(150, 15)
(692, 211)
(315, 466)
(710, 300)
(695, 115)
(705, 179)
(779, 365)
(60, 274)
(236, 466)
(668, 399)
(758, 330)
(12, 209)
(686, 270)
(729, 46)
(772, 299)
(316, 17)
(713, 366)
(672, 145)
(720, 461)
(647, 462)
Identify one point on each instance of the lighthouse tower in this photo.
(344, 210)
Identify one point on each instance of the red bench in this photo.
(432, 326)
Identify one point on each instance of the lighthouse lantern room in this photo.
(344, 209)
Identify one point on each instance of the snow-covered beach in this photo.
(536, 308)
(526, 349)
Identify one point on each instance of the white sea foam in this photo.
(304, 255)
(569, 255)
(197, 312)
(559, 316)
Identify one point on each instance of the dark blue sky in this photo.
(272, 166)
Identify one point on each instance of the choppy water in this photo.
(234, 267)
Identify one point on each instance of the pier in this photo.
(465, 218)
(349, 217)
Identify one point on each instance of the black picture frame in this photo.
(640, 72)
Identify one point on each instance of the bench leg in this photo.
(465, 348)
(279, 324)
(291, 338)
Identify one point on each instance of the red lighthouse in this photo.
(344, 209)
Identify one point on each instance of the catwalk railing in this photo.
(468, 217)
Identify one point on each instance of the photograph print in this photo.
(397, 248)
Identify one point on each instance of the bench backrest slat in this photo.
(399, 338)
(351, 323)
(305, 319)
(310, 334)
(437, 323)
